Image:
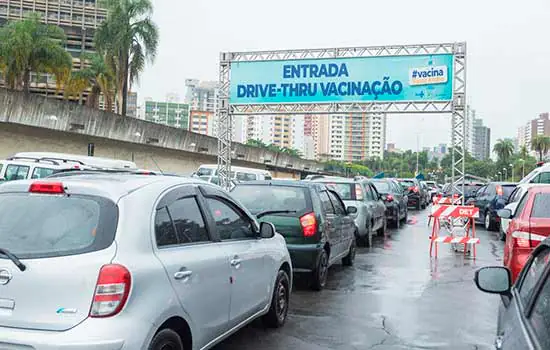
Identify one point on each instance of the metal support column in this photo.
(458, 120)
(225, 123)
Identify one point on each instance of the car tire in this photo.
(418, 206)
(382, 230)
(350, 258)
(489, 223)
(397, 222)
(278, 311)
(502, 236)
(319, 275)
(406, 217)
(166, 339)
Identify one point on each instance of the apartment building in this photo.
(481, 140)
(168, 113)
(535, 127)
(78, 18)
(201, 122)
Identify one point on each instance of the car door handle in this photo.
(235, 262)
(180, 275)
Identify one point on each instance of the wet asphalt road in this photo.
(394, 297)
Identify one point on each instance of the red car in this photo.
(529, 225)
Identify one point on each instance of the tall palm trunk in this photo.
(27, 81)
(125, 87)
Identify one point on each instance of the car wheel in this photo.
(276, 316)
(319, 276)
(166, 339)
(397, 221)
(382, 230)
(406, 218)
(350, 258)
(418, 206)
(489, 224)
(502, 236)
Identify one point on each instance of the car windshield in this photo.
(344, 190)
(508, 189)
(259, 198)
(34, 226)
(407, 183)
(382, 186)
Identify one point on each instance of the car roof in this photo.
(503, 183)
(539, 189)
(112, 186)
(529, 185)
(275, 182)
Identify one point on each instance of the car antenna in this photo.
(157, 165)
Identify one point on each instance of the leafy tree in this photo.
(97, 77)
(127, 38)
(541, 144)
(30, 46)
(504, 148)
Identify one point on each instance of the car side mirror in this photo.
(494, 280)
(2, 179)
(267, 230)
(504, 213)
(352, 210)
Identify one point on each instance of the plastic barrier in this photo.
(439, 199)
(454, 218)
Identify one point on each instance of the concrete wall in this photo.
(35, 123)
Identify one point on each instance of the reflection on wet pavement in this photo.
(394, 297)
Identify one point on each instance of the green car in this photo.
(313, 219)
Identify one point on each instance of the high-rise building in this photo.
(481, 140)
(202, 95)
(201, 122)
(536, 127)
(78, 18)
(132, 104)
(168, 113)
(270, 129)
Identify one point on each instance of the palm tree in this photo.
(541, 144)
(523, 152)
(30, 46)
(504, 148)
(97, 77)
(128, 38)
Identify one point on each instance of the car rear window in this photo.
(382, 186)
(258, 198)
(42, 226)
(406, 183)
(346, 191)
(246, 176)
(508, 189)
(40, 173)
(470, 189)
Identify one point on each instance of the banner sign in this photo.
(333, 80)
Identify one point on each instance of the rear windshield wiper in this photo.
(271, 212)
(13, 258)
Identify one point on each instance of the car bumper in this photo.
(413, 200)
(304, 256)
(91, 334)
(392, 212)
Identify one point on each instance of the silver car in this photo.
(360, 193)
(109, 262)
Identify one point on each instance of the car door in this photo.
(539, 221)
(347, 226)
(379, 207)
(513, 329)
(400, 196)
(369, 202)
(194, 263)
(333, 224)
(245, 252)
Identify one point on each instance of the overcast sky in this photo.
(508, 61)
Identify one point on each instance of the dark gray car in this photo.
(524, 313)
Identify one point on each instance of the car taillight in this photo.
(413, 189)
(111, 291)
(47, 187)
(389, 198)
(358, 192)
(309, 224)
(500, 192)
(521, 239)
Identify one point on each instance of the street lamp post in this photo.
(499, 176)
(522, 168)
(512, 166)
(505, 172)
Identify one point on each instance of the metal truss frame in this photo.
(456, 107)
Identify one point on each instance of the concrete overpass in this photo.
(36, 123)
